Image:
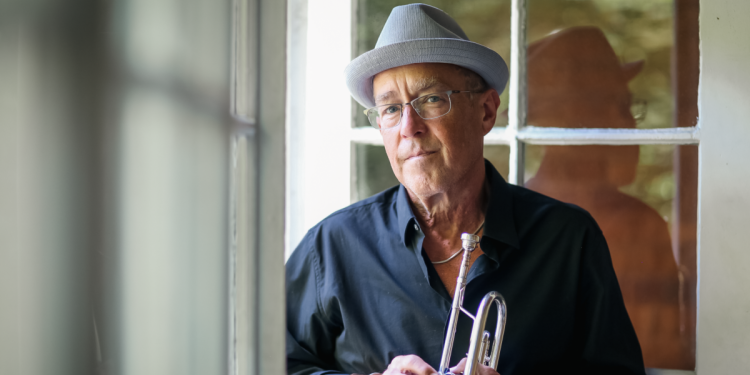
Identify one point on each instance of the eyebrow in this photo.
(419, 86)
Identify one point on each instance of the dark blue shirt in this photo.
(361, 290)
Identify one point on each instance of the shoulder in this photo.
(532, 210)
(556, 233)
(368, 215)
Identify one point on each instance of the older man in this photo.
(369, 288)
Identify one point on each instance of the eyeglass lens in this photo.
(427, 107)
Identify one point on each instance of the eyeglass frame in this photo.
(401, 105)
(639, 110)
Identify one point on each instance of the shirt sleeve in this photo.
(311, 335)
(610, 345)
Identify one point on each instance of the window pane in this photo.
(486, 22)
(602, 51)
(498, 155)
(644, 199)
(374, 173)
(169, 168)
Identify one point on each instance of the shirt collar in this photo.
(498, 225)
(405, 215)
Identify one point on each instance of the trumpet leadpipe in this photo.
(479, 345)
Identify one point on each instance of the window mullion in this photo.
(517, 106)
(604, 136)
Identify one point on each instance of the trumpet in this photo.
(479, 346)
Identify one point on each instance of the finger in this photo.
(459, 368)
(486, 370)
(481, 369)
(410, 364)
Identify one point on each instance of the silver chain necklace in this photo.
(459, 250)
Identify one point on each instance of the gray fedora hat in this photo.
(420, 33)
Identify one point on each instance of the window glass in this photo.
(589, 61)
(644, 200)
(484, 21)
(374, 173)
(168, 163)
(498, 155)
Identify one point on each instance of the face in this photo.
(432, 156)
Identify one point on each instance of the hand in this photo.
(410, 365)
(482, 370)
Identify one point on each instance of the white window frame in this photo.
(256, 264)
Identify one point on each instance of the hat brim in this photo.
(473, 56)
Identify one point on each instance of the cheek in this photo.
(460, 138)
(391, 150)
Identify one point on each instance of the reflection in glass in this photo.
(630, 192)
(575, 80)
(638, 31)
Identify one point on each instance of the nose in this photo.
(411, 124)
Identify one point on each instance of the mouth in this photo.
(420, 155)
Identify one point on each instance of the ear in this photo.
(490, 103)
(631, 69)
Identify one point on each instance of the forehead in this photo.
(414, 78)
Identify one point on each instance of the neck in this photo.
(443, 217)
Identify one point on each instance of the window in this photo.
(119, 129)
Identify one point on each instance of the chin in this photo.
(423, 183)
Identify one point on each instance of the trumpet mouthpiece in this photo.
(470, 241)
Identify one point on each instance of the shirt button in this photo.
(416, 227)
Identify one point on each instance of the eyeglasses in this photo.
(639, 108)
(428, 107)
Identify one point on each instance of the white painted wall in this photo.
(323, 154)
(723, 332)
(296, 94)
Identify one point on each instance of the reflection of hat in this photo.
(575, 73)
(419, 33)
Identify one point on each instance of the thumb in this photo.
(459, 368)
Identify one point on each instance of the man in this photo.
(370, 287)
